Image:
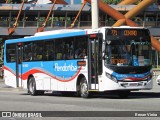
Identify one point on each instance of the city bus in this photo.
(78, 61)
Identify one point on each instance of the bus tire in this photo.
(84, 93)
(32, 88)
(124, 94)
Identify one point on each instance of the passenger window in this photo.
(68, 48)
(11, 53)
(59, 49)
(49, 52)
(33, 51)
(81, 47)
(27, 56)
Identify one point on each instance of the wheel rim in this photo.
(31, 87)
(84, 89)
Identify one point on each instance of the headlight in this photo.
(111, 77)
(114, 79)
(108, 75)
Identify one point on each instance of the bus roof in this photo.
(53, 32)
(49, 35)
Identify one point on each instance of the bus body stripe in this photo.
(34, 71)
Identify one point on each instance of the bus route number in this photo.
(114, 32)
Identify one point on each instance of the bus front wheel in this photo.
(32, 88)
(84, 89)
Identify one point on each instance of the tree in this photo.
(114, 2)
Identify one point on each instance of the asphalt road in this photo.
(18, 100)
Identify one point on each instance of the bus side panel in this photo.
(10, 74)
(73, 75)
(34, 69)
(65, 73)
(49, 82)
(58, 75)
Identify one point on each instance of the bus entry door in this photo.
(94, 61)
(19, 65)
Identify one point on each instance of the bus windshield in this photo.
(134, 55)
(127, 47)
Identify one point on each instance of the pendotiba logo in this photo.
(140, 43)
(65, 67)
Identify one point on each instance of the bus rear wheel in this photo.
(84, 89)
(32, 88)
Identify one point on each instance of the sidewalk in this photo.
(4, 87)
(2, 84)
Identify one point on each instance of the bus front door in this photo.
(19, 65)
(94, 61)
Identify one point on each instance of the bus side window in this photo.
(10, 53)
(37, 51)
(59, 56)
(49, 52)
(59, 48)
(68, 48)
(27, 55)
(81, 47)
(58, 53)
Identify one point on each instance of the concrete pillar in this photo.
(95, 14)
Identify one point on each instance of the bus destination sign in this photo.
(126, 32)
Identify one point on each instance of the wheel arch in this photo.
(79, 81)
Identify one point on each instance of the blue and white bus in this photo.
(80, 61)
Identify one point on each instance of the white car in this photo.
(158, 80)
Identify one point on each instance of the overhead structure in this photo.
(41, 29)
(121, 19)
(12, 29)
(84, 3)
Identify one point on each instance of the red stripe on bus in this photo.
(33, 71)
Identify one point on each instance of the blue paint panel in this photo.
(122, 76)
(65, 69)
(62, 69)
(11, 66)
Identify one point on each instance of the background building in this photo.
(74, 1)
(68, 1)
